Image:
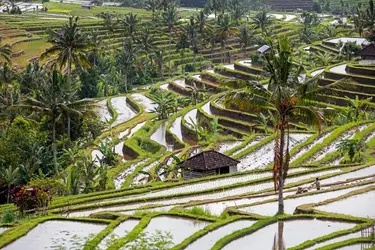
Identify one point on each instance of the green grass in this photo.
(32, 49)
(76, 9)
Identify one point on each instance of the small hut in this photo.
(263, 50)
(207, 163)
(368, 52)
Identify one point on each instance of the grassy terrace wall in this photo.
(232, 114)
(236, 74)
(247, 69)
(360, 79)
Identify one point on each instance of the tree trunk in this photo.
(69, 129)
(169, 52)
(54, 149)
(281, 155)
(8, 198)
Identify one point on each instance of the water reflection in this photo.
(278, 240)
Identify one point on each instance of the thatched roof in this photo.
(369, 50)
(208, 160)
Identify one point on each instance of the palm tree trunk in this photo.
(8, 197)
(54, 149)
(69, 131)
(281, 156)
(169, 51)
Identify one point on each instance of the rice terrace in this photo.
(187, 124)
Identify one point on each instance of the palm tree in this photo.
(88, 171)
(69, 45)
(164, 105)
(357, 107)
(170, 18)
(262, 19)
(153, 6)
(158, 58)
(196, 94)
(181, 45)
(130, 22)
(352, 147)
(201, 20)
(237, 9)
(225, 30)
(5, 52)
(245, 37)
(359, 20)
(147, 43)
(287, 98)
(11, 177)
(126, 61)
(50, 101)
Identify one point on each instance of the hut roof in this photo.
(369, 50)
(208, 160)
(264, 49)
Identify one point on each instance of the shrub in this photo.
(28, 200)
(199, 211)
(8, 216)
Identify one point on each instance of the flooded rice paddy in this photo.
(293, 233)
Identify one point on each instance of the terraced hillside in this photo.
(137, 191)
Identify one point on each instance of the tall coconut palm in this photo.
(158, 59)
(153, 6)
(69, 46)
(125, 60)
(262, 19)
(245, 37)
(237, 9)
(194, 40)
(201, 20)
(225, 30)
(130, 22)
(181, 45)
(170, 18)
(5, 52)
(147, 42)
(288, 98)
(50, 101)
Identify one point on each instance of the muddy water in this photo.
(124, 112)
(226, 146)
(358, 205)
(217, 208)
(191, 116)
(358, 40)
(209, 240)
(136, 128)
(264, 156)
(198, 187)
(337, 239)
(120, 179)
(96, 156)
(180, 82)
(310, 146)
(159, 136)
(103, 111)
(250, 144)
(341, 69)
(294, 233)
(269, 209)
(207, 109)
(180, 228)
(229, 66)
(120, 231)
(164, 86)
(361, 173)
(289, 18)
(176, 128)
(56, 235)
(317, 72)
(144, 101)
(333, 146)
(140, 178)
